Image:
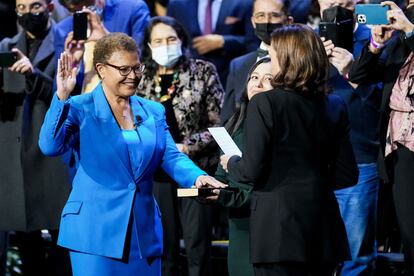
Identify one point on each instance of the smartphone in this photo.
(371, 14)
(340, 33)
(7, 59)
(80, 26)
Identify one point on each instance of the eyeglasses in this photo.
(34, 8)
(263, 17)
(125, 70)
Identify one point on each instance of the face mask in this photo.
(36, 24)
(337, 14)
(167, 56)
(409, 13)
(264, 31)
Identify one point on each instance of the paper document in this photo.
(224, 140)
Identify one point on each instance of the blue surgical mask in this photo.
(166, 55)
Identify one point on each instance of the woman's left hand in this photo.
(209, 181)
(224, 160)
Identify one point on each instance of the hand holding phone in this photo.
(397, 19)
(8, 58)
(74, 48)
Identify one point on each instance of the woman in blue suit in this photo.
(111, 222)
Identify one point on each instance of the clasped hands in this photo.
(76, 48)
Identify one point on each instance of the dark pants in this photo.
(39, 259)
(403, 191)
(3, 252)
(294, 269)
(196, 224)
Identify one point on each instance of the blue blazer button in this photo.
(132, 186)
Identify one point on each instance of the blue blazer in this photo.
(96, 216)
(127, 16)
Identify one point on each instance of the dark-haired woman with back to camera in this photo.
(296, 145)
(238, 199)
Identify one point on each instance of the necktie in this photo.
(262, 53)
(208, 29)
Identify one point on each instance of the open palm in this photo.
(66, 76)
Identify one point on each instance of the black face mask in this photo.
(337, 14)
(410, 13)
(264, 31)
(35, 24)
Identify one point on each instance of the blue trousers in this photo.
(358, 207)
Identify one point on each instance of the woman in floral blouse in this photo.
(192, 95)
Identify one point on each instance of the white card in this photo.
(224, 140)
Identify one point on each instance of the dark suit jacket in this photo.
(370, 68)
(233, 23)
(296, 148)
(236, 83)
(33, 188)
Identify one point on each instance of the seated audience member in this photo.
(111, 222)
(396, 160)
(358, 204)
(33, 188)
(267, 16)
(296, 149)
(238, 200)
(219, 30)
(191, 93)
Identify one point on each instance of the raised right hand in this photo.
(66, 76)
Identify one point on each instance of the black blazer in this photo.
(385, 67)
(296, 149)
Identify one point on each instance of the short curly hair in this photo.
(111, 43)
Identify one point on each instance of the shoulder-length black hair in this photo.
(151, 66)
(235, 121)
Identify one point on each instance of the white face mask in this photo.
(167, 55)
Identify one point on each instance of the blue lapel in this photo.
(223, 13)
(112, 135)
(146, 129)
(193, 20)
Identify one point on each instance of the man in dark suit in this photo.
(33, 188)
(220, 30)
(267, 15)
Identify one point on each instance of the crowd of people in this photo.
(97, 134)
